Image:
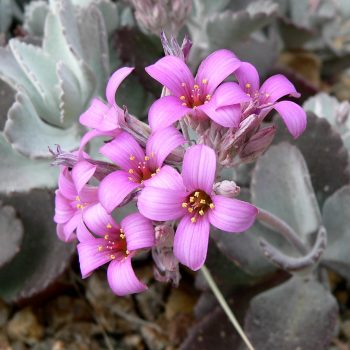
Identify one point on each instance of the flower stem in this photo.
(283, 228)
(220, 298)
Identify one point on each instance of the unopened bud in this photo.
(227, 188)
(172, 48)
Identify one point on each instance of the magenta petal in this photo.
(166, 111)
(229, 116)
(198, 170)
(62, 234)
(191, 242)
(124, 151)
(122, 279)
(248, 78)
(98, 220)
(229, 94)
(293, 116)
(89, 195)
(167, 178)
(63, 209)
(90, 258)
(82, 173)
(71, 225)
(161, 143)
(173, 73)
(114, 81)
(83, 234)
(139, 232)
(276, 87)
(66, 185)
(161, 204)
(94, 115)
(114, 188)
(232, 215)
(215, 69)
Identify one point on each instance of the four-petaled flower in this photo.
(265, 98)
(196, 96)
(190, 197)
(137, 166)
(116, 244)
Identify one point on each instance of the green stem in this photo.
(220, 298)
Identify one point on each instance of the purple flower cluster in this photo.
(173, 182)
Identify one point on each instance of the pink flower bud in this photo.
(227, 188)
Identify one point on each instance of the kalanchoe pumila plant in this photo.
(175, 180)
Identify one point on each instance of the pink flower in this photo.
(137, 166)
(190, 197)
(101, 117)
(115, 245)
(196, 96)
(72, 198)
(265, 98)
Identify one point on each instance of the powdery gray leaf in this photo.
(20, 174)
(281, 185)
(31, 136)
(34, 17)
(299, 314)
(42, 257)
(11, 234)
(336, 218)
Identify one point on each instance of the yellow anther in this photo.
(196, 87)
(132, 157)
(201, 212)
(157, 170)
(202, 201)
(211, 205)
(131, 171)
(247, 85)
(77, 198)
(153, 174)
(182, 98)
(106, 237)
(112, 256)
(122, 236)
(190, 210)
(183, 84)
(208, 97)
(109, 226)
(147, 158)
(191, 199)
(127, 252)
(100, 248)
(204, 81)
(196, 194)
(193, 220)
(78, 206)
(184, 205)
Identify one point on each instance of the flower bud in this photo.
(227, 188)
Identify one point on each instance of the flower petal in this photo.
(166, 111)
(248, 78)
(63, 209)
(98, 220)
(161, 143)
(83, 234)
(191, 242)
(139, 232)
(71, 225)
(96, 133)
(90, 257)
(121, 151)
(114, 81)
(89, 195)
(198, 170)
(161, 204)
(293, 116)
(215, 69)
(122, 278)
(229, 94)
(232, 215)
(114, 188)
(62, 235)
(276, 87)
(82, 172)
(167, 178)
(174, 74)
(66, 185)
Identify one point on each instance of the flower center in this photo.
(114, 245)
(142, 170)
(79, 204)
(197, 96)
(198, 203)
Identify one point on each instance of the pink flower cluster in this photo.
(172, 181)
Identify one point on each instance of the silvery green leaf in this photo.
(299, 314)
(281, 185)
(336, 218)
(110, 12)
(20, 174)
(31, 136)
(94, 40)
(231, 27)
(41, 70)
(11, 234)
(71, 104)
(34, 17)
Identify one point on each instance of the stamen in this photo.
(201, 212)
(121, 230)
(196, 87)
(77, 198)
(190, 210)
(131, 179)
(109, 226)
(267, 95)
(184, 205)
(112, 256)
(157, 170)
(122, 236)
(182, 98)
(132, 157)
(183, 84)
(131, 171)
(202, 201)
(127, 252)
(184, 104)
(247, 85)
(193, 220)
(204, 81)
(196, 194)
(100, 248)
(208, 97)
(147, 158)
(211, 206)
(106, 237)
(191, 199)
(248, 95)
